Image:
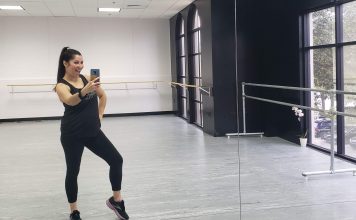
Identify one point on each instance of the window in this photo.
(195, 66)
(349, 21)
(323, 27)
(349, 74)
(322, 71)
(181, 71)
(330, 58)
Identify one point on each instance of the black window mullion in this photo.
(348, 43)
(306, 61)
(332, 45)
(339, 80)
(303, 79)
(324, 46)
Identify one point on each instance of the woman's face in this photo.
(74, 66)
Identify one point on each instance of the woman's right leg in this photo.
(73, 150)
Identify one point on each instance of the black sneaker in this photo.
(75, 215)
(118, 208)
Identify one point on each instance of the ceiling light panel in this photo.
(10, 7)
(16, 13)
(113, 10)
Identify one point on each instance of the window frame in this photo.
(193, 76)
(339, 44)
(181, 62)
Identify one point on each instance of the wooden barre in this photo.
(51, 84)
(152, 84)
(133, 82)
(192, 86)
(124, 82)
(208, 90)
(185, 85)
(45, 84)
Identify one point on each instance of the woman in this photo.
(80, 126)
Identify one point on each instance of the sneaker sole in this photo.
(112, 208)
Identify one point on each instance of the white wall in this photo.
(123, 49)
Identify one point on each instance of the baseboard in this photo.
(30, 119)
(105, 115)
(139, 114)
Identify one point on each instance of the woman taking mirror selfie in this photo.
(80, 127)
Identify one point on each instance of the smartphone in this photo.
(94, 73)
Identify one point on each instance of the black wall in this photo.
(280, 61)
(224, 76)
(279, 65)
(248, 61)
(268, 53)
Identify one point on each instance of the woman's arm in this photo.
(63, 92)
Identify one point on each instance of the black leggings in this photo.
(99, 145)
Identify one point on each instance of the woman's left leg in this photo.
(101, 146)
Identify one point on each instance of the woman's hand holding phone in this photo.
(91, 86)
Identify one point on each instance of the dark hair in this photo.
(67, 54)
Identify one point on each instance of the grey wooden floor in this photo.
(171, 171)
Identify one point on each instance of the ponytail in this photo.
(66, 55)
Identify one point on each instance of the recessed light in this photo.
(11, 7)
(109, 9)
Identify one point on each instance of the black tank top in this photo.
(81, 120)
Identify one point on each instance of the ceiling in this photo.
(89, 8)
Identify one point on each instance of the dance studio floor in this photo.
(172, 170)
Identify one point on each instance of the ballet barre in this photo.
(330, 112)
(149, 84)
(207, 90)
